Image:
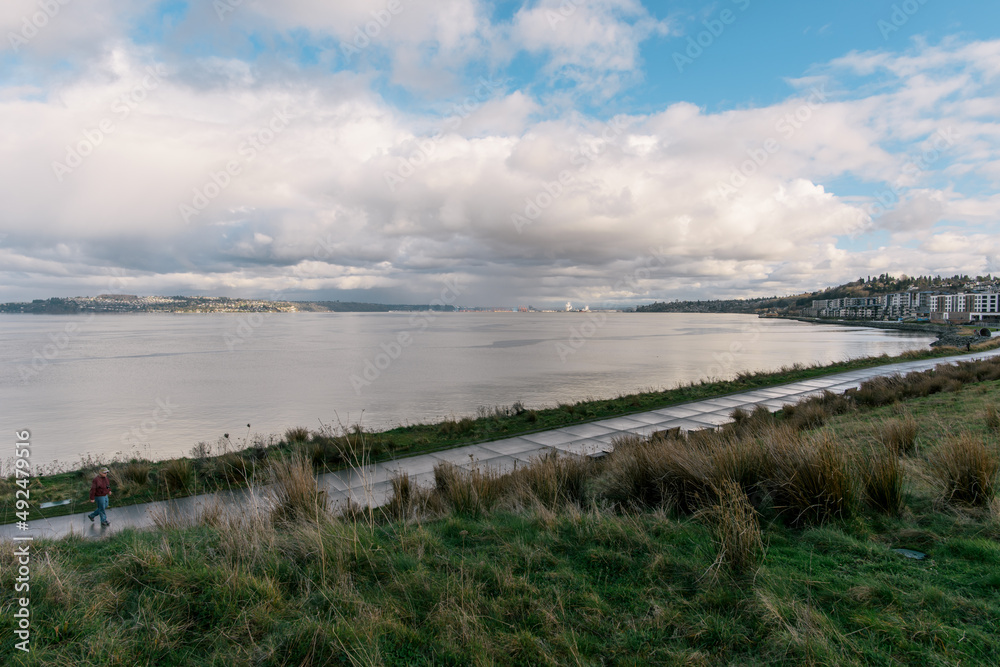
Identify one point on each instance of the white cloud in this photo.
(306, 206)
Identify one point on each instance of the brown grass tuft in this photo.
(470, 493)
(297, 434)
(296, 494)
(177, 475)
(811, 480)
(899, 435)
(992, 418)
(737, 530)
(965, 470)
(882, 474)
(134, 474)
(554, 480)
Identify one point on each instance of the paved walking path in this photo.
(370, 485)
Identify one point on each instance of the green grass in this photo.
(556, 566)
(333, 449)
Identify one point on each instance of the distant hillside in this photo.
(130, 303)
(870, 286)
(355, 307)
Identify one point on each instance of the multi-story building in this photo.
(910, 304)
(986, 306)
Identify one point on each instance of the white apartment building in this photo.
(913, 303)
(986, 306)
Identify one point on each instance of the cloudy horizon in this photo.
(607, 152)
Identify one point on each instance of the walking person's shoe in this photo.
(91, 518)
(105, 524)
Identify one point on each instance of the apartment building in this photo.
(956, 308)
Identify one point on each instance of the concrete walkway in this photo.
(370, 485)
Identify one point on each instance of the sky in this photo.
(603, 152)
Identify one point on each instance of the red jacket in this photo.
(101, 486)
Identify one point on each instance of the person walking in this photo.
(100, 489)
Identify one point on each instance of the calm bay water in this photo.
(158, 384)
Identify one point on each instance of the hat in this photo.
(104, 471)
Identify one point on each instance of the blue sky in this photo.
(609, 152)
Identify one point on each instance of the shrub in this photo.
(882, 472)
(297, 434)
(965, 470)
(899, 435)
(737, 529)
(811, 481)
(177, 475)
(296, 494)
(201, 451)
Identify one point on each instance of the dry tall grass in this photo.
(469, 492)
(134, 474)
(965, 470)
(177, 475)
(991, 416)
(554, 480)
(882, 475)
(899, 435)
(811, 479)
(737, 531)
(296, 494)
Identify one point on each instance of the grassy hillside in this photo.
(769, 542)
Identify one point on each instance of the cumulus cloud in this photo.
(220, 173)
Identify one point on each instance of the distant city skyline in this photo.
(605, 153)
